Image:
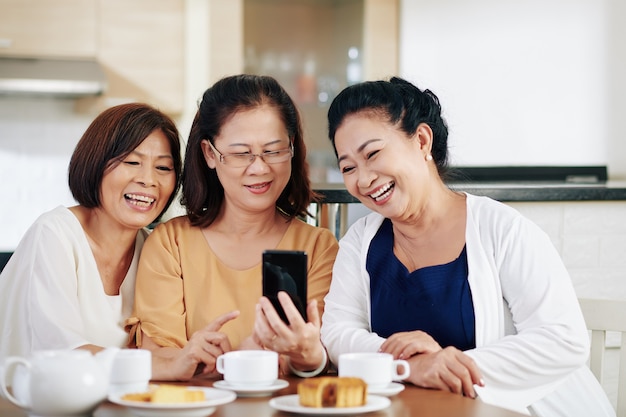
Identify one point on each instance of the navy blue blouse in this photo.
(435, 299)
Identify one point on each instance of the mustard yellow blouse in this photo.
(182, 286)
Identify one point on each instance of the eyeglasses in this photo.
(240, 160)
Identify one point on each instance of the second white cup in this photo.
(248, 367)
(378, 370)
(131, 371)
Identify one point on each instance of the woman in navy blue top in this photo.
(435, 299)
(470, 293)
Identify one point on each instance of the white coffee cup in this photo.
(131, 371)
(377, 369)
(248, 367)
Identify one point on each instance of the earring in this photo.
(429, 157)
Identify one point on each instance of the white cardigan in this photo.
(531, 340)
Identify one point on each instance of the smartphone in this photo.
(285, 270)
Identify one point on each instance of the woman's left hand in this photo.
(448, 369)
(299, 340)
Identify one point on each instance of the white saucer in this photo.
(391, 389)
(291, 404)
(214, 397)
(252, 391)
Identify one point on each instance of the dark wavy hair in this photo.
(402, 104)
(202, 191)
(110, 138)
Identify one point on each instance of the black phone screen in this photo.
(285, 271)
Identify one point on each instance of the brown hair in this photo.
(114, 134)
(202, 192)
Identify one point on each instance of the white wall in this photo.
(590, 236)
(526, 82)
(37, 137)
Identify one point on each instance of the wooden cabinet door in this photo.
(48, 28)
(141, 46)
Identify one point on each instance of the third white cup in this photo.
(377, 369)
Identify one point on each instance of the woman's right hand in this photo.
(448, 369)
(205, 346)
(403, 345)
(197, 357)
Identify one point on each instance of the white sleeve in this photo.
(346, 320)
(549, 339)
(45, 308)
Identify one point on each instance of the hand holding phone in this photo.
(285, 271)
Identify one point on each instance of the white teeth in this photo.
(139, 200)
(382, 192)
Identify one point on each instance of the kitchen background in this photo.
(522, 83)
(533, 82)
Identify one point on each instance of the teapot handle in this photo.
(12, 360)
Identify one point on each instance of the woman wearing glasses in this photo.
(245, 183)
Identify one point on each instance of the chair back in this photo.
(4, 258)
(602, 316)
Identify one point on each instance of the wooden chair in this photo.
(602, 316)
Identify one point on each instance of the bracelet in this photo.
(307, 374)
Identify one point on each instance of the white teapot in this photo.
(56, 382)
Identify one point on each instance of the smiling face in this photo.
(255, 187)
(382, 167)
(135, 191)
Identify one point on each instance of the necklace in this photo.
(408, 259)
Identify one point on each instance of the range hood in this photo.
(51, 77)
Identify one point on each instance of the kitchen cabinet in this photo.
(51, 28)
(141, 47)
(139, 44)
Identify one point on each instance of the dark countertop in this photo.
(531, 191)
(510, 191)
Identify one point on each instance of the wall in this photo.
(37, 137)
(523, 82)
(591, 238)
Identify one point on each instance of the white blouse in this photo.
(51, 294)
